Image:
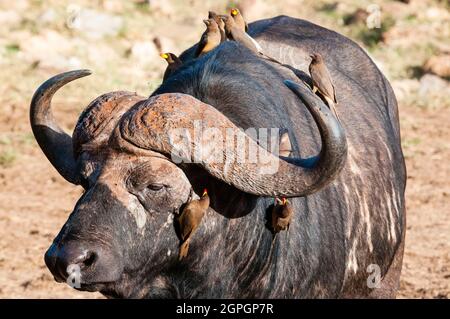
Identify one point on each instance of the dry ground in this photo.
(35, 201)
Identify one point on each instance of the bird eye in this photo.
(155, 187)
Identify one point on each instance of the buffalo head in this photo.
(120, 237)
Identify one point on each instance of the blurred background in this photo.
(116, 40)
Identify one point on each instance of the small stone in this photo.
(161, 6)
(437, 14)
(438, 65)
(93, 24)
(19, 5)
(143, 52)
(9, 18)
(113, 5)
(47, 17)
(49, 49)
(357, 17)
(433, 85)
(404, 88)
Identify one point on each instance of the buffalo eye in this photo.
(152, 195)
(155, 187)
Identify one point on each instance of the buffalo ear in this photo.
(285, 145)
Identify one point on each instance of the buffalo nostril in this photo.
(89, 259)
(84, 260)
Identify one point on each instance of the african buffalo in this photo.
(349, 223)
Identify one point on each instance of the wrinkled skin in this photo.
(121, 231)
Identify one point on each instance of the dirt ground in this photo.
(35, 201)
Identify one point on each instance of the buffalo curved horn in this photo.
(54, 142)
(149, 124)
